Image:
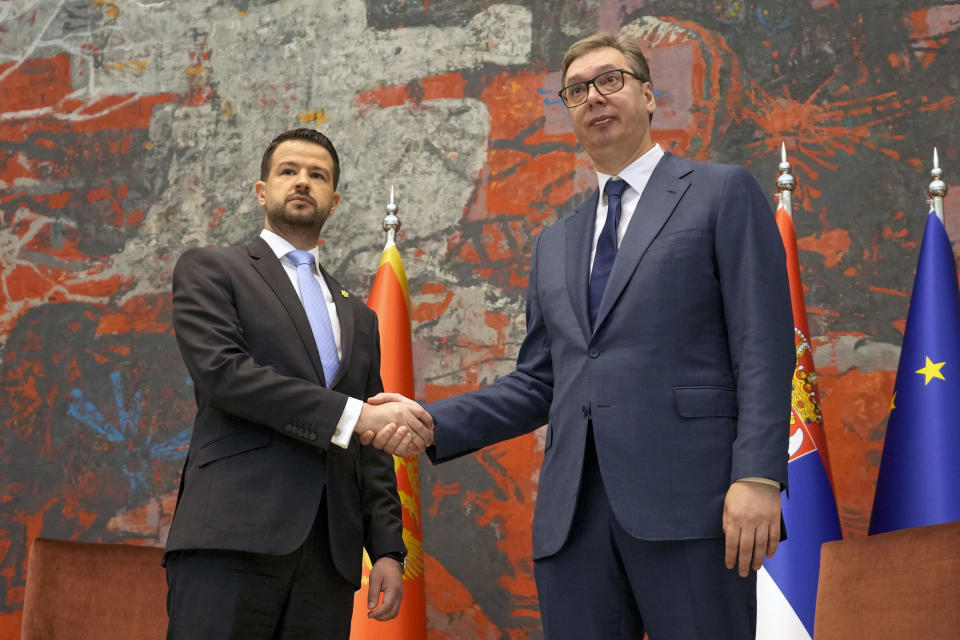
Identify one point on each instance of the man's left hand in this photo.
(751, 524)
(386, 577)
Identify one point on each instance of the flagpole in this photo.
(937, 189)
(786, 183)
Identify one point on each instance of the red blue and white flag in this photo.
(787, 583)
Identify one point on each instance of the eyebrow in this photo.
(576, 79)
(291, 163)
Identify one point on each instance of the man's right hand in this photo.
(395, 424)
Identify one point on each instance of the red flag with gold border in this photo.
(390, 298)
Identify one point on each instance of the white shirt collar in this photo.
(638, 172)
(281, 246)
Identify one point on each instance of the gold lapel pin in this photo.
(344, 293)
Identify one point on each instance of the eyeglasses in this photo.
(574, 95)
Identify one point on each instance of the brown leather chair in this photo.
(87, 591)
(902, 584)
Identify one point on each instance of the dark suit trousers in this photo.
(221, 595)
(604, 584)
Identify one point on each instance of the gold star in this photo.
(893, 401)
(931, 370)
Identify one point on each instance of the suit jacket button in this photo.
(593, 352)
(313, 436)
(288, 427)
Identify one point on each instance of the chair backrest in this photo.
(85, 590)
(902, 584)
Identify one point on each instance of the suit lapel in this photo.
(345, 315)
(579, 239)
(659, 199)
(268, 266)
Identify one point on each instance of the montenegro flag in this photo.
(390, 298)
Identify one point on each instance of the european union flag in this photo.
(919, 480)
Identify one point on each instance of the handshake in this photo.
(396, 424)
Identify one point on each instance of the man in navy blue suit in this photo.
(659, 351)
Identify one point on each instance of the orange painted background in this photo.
(128, 134)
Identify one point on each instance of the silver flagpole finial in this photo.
(391, 222)
(937, 189)
(786, 183)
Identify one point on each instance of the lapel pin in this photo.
(344, 293)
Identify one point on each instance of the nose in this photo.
(302, 180)
(593, 94)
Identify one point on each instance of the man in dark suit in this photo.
(659, 351)
(278, 496)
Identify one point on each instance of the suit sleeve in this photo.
(226, 376)
(380, 504)
(751, 267)
(514, 405)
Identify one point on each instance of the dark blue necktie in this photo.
(606, 246)
(316, 307)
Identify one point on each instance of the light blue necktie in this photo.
(316, 307)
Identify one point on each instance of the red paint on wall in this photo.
(451, 608)
(447, 85)
(40, 89)
(855, 407)
(832, 245)
(36, 84)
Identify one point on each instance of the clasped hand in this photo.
(396, 424)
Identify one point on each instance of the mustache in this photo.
(301, 196)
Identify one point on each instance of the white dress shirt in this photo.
(636, 175)
(281, 247)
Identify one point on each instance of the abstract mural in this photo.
(131, 130)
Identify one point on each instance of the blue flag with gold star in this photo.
(919, 480)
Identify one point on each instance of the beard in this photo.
(291, 218)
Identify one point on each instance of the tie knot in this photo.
(615, 187)
(301, 258)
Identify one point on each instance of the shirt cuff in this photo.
(772, 483)
(347, 424)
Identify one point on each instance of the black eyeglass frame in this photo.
(593, 81)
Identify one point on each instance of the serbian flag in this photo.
(787, 583)
(390, 298)
(919, 479)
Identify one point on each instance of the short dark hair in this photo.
(307, 135)
(602, 40)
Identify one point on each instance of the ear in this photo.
(260, 189)
(649, 98)
(334, 202)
